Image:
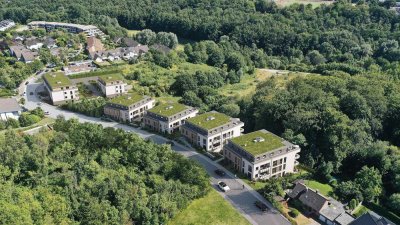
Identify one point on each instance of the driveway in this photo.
(242, 199)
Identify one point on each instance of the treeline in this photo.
(346, 126)
(340, 36)
(84, 174)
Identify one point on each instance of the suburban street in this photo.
(242, 199)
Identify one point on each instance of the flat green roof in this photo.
(266, 142)
(111, 77)
(210, 120)
(127, 99)
(57, 80)
(168, 109)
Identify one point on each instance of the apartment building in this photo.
(167, 118)
(112, 85)
(60, 88)
(211, 130)
(261, 155)
(128, 107)
(6, 24)
(89, 30)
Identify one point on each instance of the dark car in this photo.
(170, 143)
(26, 82)
(220, 172)
(261, 206)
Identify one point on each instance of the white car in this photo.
(224, 187)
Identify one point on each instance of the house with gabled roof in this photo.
(328, 210)
(168, 117)
(211, 130)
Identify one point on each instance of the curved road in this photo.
(242, 199)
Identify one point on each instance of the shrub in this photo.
(27, 119)
(294, 212)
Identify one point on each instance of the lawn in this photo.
(212, 209)
(324, 189)
(132, 33)
(314, 3)
(359, 211)
(44, 121)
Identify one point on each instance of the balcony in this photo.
(297, 156)
(296, 163)
(241, 130)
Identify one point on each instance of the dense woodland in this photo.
(346, 119)
(84, 174)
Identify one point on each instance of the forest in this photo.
(84, 174)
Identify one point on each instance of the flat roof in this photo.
(127, 99)
(210, 120)
(57, 80)
(168, 109)
(258, 142)
(111, 77)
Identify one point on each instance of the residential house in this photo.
(128, 107)
(328, 210)
(211, 130)
(168, 117)
(371, 218)
(88, 30)
(6, 24)
(161, 48)
(21, 53)
(129, 42)
(60, 88)
(120, 53)
(112, 85)
(50, 43)
(9, 109)
(94, 45)
(33, 43)
(79, 67)
(261, 155)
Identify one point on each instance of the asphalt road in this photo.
(242, 199)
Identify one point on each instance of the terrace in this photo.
(111, 78)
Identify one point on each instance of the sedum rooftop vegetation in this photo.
(57, 80)
(127, 99)
(168, 109)
(209, 120)
(258, 142)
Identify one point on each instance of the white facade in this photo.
(61, 96)
(273, 167)
(35, 46)
(136, 113)
(216, 140)
(112, 89)
(10, 115)
(6, 24)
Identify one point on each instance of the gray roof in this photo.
(371, 218)
(308, 197)
(9, 105)
(344, 219)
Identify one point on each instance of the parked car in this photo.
(46, 113)
(220, 172)
(224, 187)
(261, 206)
(31, 93)
(170, 143)
(26, 82)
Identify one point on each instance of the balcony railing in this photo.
(297, 156)
(296, 162)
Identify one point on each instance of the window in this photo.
(284, 160)
(249, 168)
(275, 163)
(257, 168)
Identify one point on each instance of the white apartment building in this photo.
(211, 130)
(6, 24)
(112, 85)
(89, 30)
(168, 117)
(60, 88)
(128, 107)
(261, 155)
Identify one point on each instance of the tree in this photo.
(146, 37)
(235, 61)
(230, 109)
(370, 182)
(315, 58)
(27, 119)
(394, 202)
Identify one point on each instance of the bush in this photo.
(294, 212)
(27, 119)
(38, 112)
(13, 123)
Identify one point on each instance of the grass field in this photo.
(324, 189)
(212, 209)
(359, 211)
